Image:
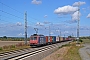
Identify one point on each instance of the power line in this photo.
(16, 11)
(10, 14)
(10, 7)
(6, 18)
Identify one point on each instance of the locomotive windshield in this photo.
(33, 38)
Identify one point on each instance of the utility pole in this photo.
(25, 28)
(78, 23)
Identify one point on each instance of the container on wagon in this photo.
(46, 39)
(57, 39)
(49, 39)
(53, 39)
(67, 38)
(61, 39)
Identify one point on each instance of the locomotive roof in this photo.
(37, 35)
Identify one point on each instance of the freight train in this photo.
(39, 40)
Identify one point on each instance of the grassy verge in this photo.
(86, 41)
(13, 47)
(72, 53)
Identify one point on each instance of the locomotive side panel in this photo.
(42, 40)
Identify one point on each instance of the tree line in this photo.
(5, 38)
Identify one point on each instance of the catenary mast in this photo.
(78, 22)
(25, 28)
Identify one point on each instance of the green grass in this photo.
(86, 41)
(72, 53)
(64, 45)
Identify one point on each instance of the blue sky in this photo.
(60, 15)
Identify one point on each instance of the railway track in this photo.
(26, 53)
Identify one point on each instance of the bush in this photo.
(5, 47)
(20, 44)
(12, 46)
(80, 40)
(1, 49)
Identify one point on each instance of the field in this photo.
(12, 45)
(6, 43)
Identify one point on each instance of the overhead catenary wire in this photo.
(16, 11)
(10, 7)
(5, 19)
(11, 14)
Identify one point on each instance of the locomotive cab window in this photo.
(33, 38)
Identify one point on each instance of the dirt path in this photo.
(58, 55)
(85, 52)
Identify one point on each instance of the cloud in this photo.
(79, 3)
(70, 21)
(20, 34)
(51, 33)
(45, 16)
(66, 32)
(88, 7)
(46, 22)
(88, 16)
(84, 8)
(19, 24)
(58, 30)
(65, 10)
(84, 28)
(37, 2)
(75, 15)
(39, 24)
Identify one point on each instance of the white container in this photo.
(57, 39)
